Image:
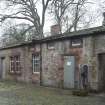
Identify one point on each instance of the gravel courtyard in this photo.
(12, 93)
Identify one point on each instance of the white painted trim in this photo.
(36, 72)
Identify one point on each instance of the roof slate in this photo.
(80, 33)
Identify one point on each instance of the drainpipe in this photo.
(40, 64)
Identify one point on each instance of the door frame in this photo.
(98, 66)
(2, 61)
(74, 67)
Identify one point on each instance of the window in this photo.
(51, 46)
(36, 63)
(15, 64)
(76, 42)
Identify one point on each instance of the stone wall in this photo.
(88, 55)
(25, 53)
(92, 47)
(52, 69)
(53, 63)
(99, 48)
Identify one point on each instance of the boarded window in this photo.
(15, 64)
(76, 42)
(36, 63)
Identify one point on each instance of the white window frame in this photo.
(36, 61)
(19, 64)
(13, 63)
(76, 42)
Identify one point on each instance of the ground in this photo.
(12, 93)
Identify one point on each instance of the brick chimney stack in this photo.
(103, 23)
(55, 29)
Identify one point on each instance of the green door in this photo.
(69, 69)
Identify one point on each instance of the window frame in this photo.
(75, 43)
(36, 61)
(12, 64)
(15, 64)
(51, 46)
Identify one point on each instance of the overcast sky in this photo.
(92, 8)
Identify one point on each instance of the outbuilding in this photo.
(57, 60)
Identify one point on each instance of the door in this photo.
(2, 68)
(101, 58)
(69, 69)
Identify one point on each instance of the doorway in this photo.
(69, 69)
(2, 68)
(101, 58)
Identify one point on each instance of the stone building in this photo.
(57, 60)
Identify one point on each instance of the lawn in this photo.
(12, 93)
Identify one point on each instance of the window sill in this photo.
(76, 46)
(36, 72)
(51, 48)
(15, 72)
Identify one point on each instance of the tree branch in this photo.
(14, 17)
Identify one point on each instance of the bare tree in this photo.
(77, 14)
(15, 33)
(58, 8)
(65, 10)
(27, 11)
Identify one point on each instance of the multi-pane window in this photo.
(36, 63)
(12, 65)
(15, 64)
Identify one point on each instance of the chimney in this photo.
(103, 23)
(55, 29)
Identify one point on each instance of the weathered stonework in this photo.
(52, 70)
(53, 60)
(53, 63)
(88, 51)
(26, 74)
(93, 46)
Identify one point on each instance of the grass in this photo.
(80, 92)
(12, 93)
